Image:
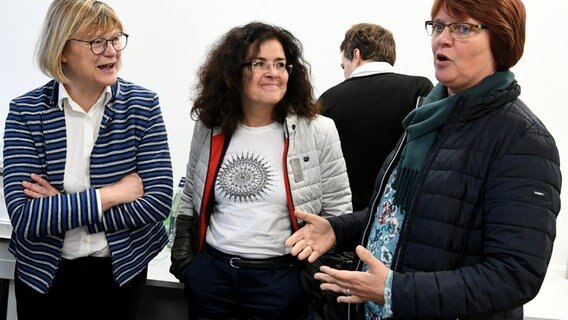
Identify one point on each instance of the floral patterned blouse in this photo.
(382, 242)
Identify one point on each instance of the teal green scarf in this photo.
(423, 125)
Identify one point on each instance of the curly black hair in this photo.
(220, 80)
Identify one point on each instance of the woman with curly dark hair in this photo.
(259, 151)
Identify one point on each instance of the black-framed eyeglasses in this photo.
(261, 65)
(458, 30)
(99, 45)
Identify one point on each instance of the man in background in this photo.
(369, 106)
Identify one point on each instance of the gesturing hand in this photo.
(313, 239)
(356, 286)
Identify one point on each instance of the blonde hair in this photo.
(505, 21)
(64, 20)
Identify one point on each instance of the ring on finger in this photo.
(347, 292)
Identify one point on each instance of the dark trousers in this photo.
(219, 289)
(83, 288)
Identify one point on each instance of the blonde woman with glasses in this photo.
(87, 173)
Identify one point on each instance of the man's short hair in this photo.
(374, 42)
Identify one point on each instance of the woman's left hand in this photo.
(41, 188)
(356, 286)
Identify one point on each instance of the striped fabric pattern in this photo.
(132, 138)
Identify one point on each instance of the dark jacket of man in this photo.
(368, 113)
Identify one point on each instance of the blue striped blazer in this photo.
(132, 138)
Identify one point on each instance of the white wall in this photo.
(169, 39)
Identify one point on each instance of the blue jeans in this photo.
(217, 290)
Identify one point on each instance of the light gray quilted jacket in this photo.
(316, 168)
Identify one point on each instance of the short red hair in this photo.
(505, 20)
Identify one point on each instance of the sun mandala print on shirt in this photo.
(245, 177)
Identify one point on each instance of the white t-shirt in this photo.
(250, 218)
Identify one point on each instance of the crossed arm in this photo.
(126, 190)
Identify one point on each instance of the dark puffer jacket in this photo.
(478, 235)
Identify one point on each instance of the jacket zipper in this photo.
(376, 202)
(434, 151)
(289, 200)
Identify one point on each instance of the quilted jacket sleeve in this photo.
(336, 194)
(187, 229)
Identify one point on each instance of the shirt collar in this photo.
(63, 95)
(371, 68)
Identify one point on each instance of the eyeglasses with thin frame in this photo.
(99, 45)
(458, 30)
(261, 65)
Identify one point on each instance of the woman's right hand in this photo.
(312, 240)
(126, 190)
